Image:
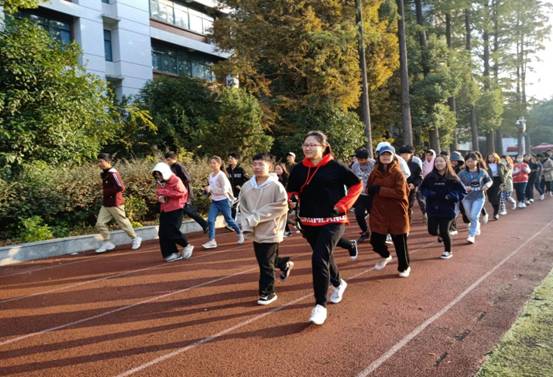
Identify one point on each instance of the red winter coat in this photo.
(520, 172)
(175, 194)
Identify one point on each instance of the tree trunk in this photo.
(405, 100)
(434, 134)
(499, 141)
(468, 47)
(451, 100)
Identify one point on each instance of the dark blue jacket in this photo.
(441, 194)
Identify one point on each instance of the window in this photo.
(181, 16)
(57, 28)
(105, 1)
(108, 51)
(178, 61)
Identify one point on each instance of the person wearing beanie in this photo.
(325, 190)
(390, 209)
(172, 197)
(113, 206)
(362, 169)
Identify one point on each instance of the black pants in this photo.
(193, 214)
(169, 232)
(439, 226)
(529, 192)
(362, 208)
(412, 199)
(422, 203)
(494, 194)
(520, 189)
(323, 240)
(378, 241)
(267, 258)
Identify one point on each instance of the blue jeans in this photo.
(216, 207)
(473, 207)
(520, 188)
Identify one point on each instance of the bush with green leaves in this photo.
(34, 229)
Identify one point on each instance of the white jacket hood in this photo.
(164, 169)
(272, 178)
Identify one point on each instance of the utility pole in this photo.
(365, 105)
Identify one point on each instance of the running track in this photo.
(126, 313)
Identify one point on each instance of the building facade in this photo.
(128, 42)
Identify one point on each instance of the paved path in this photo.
(127, 313)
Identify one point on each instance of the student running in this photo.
(222, 197)
(319, 183)
(442, 190)
(263, 212)
(172, 197)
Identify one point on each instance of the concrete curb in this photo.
(61, 246)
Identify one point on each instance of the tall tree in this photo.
(404, 74)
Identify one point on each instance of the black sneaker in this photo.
(286, 272)
(266, 300)
(354, 250)
(364, 236)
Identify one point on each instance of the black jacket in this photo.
(237, 178)
(180, 171)
(441, 194)
(416, 173)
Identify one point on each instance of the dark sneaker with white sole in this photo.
(266, 300)
(286, 272)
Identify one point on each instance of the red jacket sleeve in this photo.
(349, 200)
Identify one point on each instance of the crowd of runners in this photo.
(314, 197)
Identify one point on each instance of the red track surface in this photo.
(127, 313)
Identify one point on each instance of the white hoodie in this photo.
(264, 209)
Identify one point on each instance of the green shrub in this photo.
(34, 229)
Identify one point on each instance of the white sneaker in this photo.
(471, 239)
(542, 196)
(211, 244)
(173, 257)
(106, 246)
(240, 238)
(338, 293)
(485, 218)
(453, 232)
(187, 251)
(521, 205)
(136, 243)
(382, 263)
(318, 315)
(503, 212)
(531, 201)
(389, 239)
(446, 255)
(514, 203)
(406, 273)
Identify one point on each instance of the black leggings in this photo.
(378, 241)
(439, 226)
(494, 194)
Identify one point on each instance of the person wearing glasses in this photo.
(325, 191)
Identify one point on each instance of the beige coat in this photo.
(263, 209)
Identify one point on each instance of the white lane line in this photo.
(399, 345)
(100, 315)
(236, 327)
(62, 288)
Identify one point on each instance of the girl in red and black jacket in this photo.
(172, 196)
(319, 183)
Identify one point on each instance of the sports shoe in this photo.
(136, 243)
(478, 232)
(229, 228)
(531, 200)
(187, 251)
(485, 218)
(471, 239)
(521, 205)
(514, 205)
(173, 257)
(364, 236)
(266, 300)
(453, 232)
(287, 234)
(542, 196)
(240, 238)
(406, 273)
(338, 292)
(354, 250)
(503, 212)
(382, 263)
(211, 244)
(106, 246)
(389, 239)
(286, 272)
(446, 255)
(318, 315)
(496, 216)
